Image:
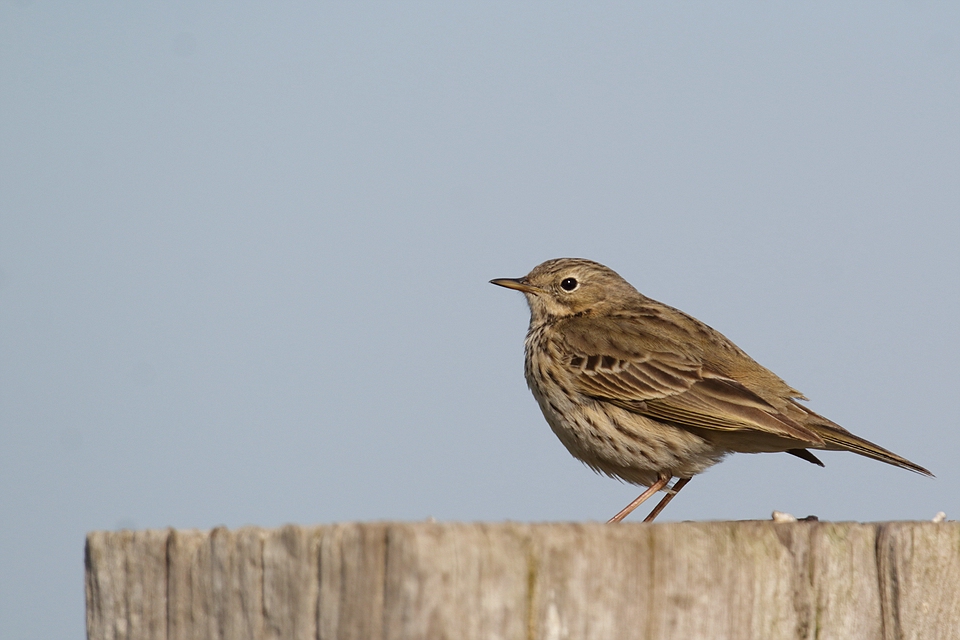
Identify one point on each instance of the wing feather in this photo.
(629, 370)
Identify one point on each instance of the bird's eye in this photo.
(569, 284)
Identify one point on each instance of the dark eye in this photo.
(569, 284)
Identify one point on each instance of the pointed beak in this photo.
(516, 283)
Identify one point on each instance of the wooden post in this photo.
(716, 580)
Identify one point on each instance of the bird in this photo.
(643, 392)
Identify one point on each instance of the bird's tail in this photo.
(839, 439)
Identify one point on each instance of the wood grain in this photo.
(716, 580)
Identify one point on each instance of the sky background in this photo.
(244, 254)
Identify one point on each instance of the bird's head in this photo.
(569, 286)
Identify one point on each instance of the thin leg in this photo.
(652, 489)
(680, 484)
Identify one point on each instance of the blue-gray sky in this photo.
(244, 254)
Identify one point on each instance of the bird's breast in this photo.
(607, 437)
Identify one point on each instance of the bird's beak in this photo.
(516, 283)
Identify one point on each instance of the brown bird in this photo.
(644, 392)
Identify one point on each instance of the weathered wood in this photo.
(290, 584)
(732, 580)
(920, 580)
(126, 584)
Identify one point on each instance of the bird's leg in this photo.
(680, 484)
(652, 489)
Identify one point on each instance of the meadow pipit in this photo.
(641, 391)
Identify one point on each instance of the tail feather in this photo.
(842, 440)
(806, 455)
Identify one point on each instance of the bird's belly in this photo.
(620, 443)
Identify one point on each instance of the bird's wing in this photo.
(644, 374)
